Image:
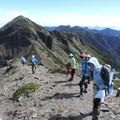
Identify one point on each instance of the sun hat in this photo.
(88, 56)
(70, 55)
(83, 55)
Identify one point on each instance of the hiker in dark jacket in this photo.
(99, 87)
(33, 62)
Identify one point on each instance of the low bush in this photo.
(117, 84)
(25, 90)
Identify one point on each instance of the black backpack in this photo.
(105, 74)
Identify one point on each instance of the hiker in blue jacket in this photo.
(83, 75)
(33, 62)
(99, 87)
(23, 60)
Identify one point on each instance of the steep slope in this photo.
(107, 41)
(23, 37)
(108, 32)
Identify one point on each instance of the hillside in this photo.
(106, 41)
(54, 100)
(23, 37)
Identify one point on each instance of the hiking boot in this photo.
(85, 91)
(95, 117)
(91, 113)
(70, 79)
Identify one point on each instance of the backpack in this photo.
(68, 68)
(107, 76)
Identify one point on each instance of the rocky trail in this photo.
(54, 100)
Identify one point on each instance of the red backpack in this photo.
(68, 68)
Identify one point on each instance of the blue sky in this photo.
(105, 13)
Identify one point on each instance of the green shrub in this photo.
(58, 70)
(117, 84)
(25, 90)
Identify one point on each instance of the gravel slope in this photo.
(54, 100)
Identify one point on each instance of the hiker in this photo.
(83, 75)
(72, 63)
(33, 62)
(88, 57)
(99, 87)
(23, 60)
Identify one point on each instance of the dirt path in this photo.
(55, 100)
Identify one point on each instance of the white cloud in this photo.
(15, 12)
(80, 20)
(66, 19)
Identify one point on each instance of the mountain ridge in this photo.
(23, 37)
(107, 40)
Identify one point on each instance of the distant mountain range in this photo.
(106, 40)
(23, 37)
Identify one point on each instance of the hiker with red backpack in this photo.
(83, 75)
(72, 66)
(103, 85)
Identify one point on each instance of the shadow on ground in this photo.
(60, 96)
(61, 81)
(70, 84)
(79, 117)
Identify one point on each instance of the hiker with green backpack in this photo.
(103, 85)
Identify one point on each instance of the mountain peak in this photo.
(21, 23)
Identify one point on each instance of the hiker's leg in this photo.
(96, 108)
(86, 86)
(72, 74)
(33, 68)
(81, 85)
(88, 79)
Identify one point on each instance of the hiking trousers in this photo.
(96, 108)
(72, 74)
(81, 83)
(33, 68)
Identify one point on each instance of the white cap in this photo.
(88, 56)
(33, 56)
(70, 55)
